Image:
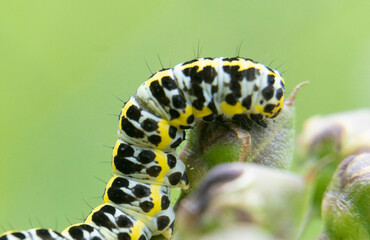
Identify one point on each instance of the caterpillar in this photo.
(152, 125)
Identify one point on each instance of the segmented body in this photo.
(151, 127)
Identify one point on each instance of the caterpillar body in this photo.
(152, 124)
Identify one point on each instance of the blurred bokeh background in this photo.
(64, 64)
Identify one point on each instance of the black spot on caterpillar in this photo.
(151, 125)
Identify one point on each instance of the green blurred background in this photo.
(63, 63)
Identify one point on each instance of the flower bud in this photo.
(342, 133)
(346, 204)
(245, 194)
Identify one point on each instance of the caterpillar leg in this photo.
(243, 121)
(168, 233)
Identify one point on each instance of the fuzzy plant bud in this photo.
(346, 204)
(343, 133)
(226, 141)
(326, 140)
(245, 194)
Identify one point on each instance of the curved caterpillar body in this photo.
(151, 127)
